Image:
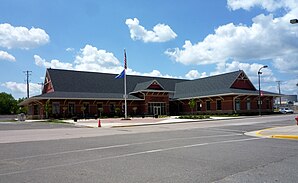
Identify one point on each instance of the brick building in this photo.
(88, 94)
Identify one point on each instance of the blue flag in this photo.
(121, 75)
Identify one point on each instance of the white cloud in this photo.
(289, 87)
(160, 33)
(287, 63)
(194, 74)
(268, 38)
(54, 64)
(250, 69)
(6, 56)
(269, 5)
(155, 73)
(69, 49)
(286, 87)
(21, 88)
(92, 59)
(22, 37)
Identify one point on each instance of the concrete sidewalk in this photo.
(119, 122)
(284, 132)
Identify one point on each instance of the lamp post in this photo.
(259, 75)
(294, 21)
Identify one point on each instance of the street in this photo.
(214, 151)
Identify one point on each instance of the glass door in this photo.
(157, 110)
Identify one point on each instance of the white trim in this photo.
(154, 91)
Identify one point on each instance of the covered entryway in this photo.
(157, 108)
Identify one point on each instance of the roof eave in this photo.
(227, 94)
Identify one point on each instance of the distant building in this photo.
(289, 99)
(69, 93)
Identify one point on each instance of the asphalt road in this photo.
(216, 151)
(33, 125)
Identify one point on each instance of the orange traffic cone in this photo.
(99, 125)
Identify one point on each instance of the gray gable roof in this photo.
(105, 84)
(144, 86)
(213, 85)
(90, 85)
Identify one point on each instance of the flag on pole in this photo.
(125, 63)
(121, 75)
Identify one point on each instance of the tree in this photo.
(20, 109)
(192, 104)
(7, 103)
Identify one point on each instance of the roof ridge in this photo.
(92, 72)
(218, 75)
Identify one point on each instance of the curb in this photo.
(275, 136)
(292, 137)
(152, 124)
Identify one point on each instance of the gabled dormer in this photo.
(152, 86)
(148, 86)
(242, 82)
(48, 85)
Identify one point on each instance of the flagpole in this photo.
(125, 95)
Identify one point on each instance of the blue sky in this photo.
(182, 38)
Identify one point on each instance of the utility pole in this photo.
(278, 85)
(27, 73)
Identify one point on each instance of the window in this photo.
(248, 104)
(123, 107)
(112, 108)
(268, 104)
(99, 107)
(199, 106)
(56, 108)
(86, 108)
(218, 104)
(71, 108)
(35, 109)
(259, 103)
(208, 106)
(237, 104)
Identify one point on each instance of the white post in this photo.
(125, 97)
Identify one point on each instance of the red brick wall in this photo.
(227, 105)
(181, 107)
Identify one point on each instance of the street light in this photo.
(259, 102)
(294, 21)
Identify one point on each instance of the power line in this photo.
(27, 73)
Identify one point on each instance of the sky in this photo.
(187, 39)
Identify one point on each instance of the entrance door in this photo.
(157, 110)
